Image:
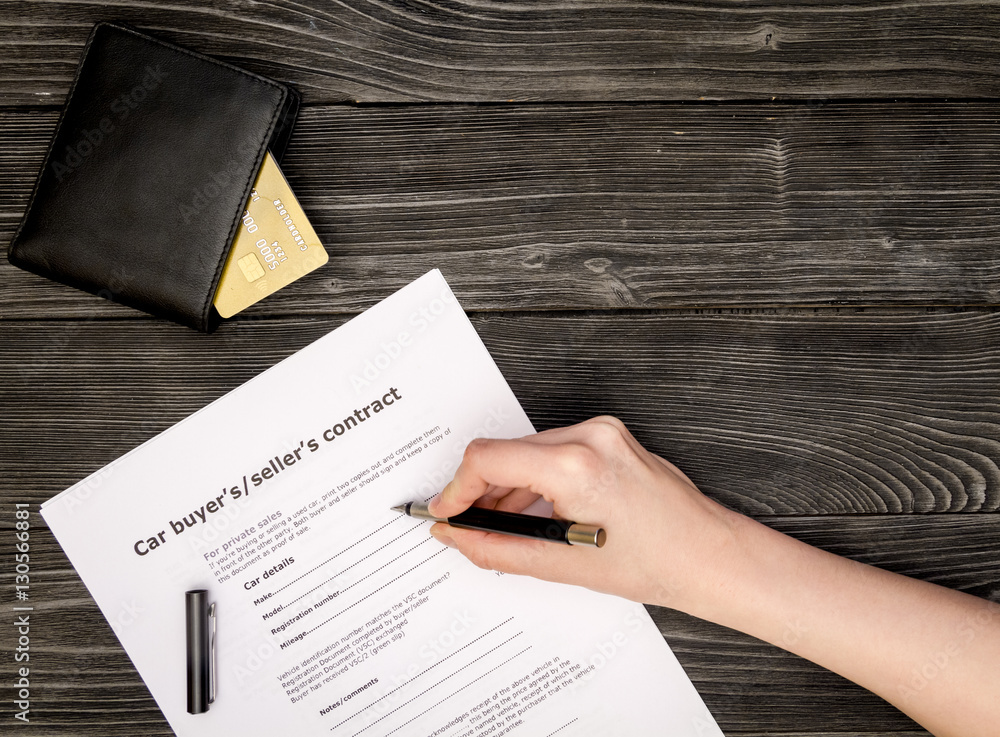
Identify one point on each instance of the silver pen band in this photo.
(420, 511)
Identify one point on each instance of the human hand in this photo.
(669, 545)
(664, 538)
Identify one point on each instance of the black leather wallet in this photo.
(148, 173)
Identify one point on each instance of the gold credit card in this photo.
(274, 246)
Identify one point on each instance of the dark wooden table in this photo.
(764, 235)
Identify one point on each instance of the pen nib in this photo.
(401, 509)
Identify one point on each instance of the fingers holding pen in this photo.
(572, 467)
(659, 528)
(519, 556)
(515, 500)
(490, 465)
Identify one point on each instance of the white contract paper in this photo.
(337, 615)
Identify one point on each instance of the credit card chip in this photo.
(251, 268)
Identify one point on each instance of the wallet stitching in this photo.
(279, 106)
(253, 173)
(263, 144)
(52, 143)
(76, 79)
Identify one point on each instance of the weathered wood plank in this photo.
(79, 670)
(787, 413)
(649, 206)
(465, 51)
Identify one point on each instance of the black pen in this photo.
(200, 626)
(508, 523)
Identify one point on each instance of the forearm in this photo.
(926, 649)
(933, 652)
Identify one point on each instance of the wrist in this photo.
(734, 555)
(762, 582)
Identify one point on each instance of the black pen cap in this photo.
(198, 656)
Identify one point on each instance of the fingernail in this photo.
(443, 538)
(432, 504)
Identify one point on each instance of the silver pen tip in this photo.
(401, 509)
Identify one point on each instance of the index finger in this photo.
(490, 463)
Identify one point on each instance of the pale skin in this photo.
(932, 652)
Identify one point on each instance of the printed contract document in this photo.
(335, 614)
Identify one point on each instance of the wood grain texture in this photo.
(624, 207)
(445, 50)
(784, 413)
(83, 678)
(754, 285)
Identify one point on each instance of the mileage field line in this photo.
(366, 596)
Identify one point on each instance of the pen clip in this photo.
(211, 649)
